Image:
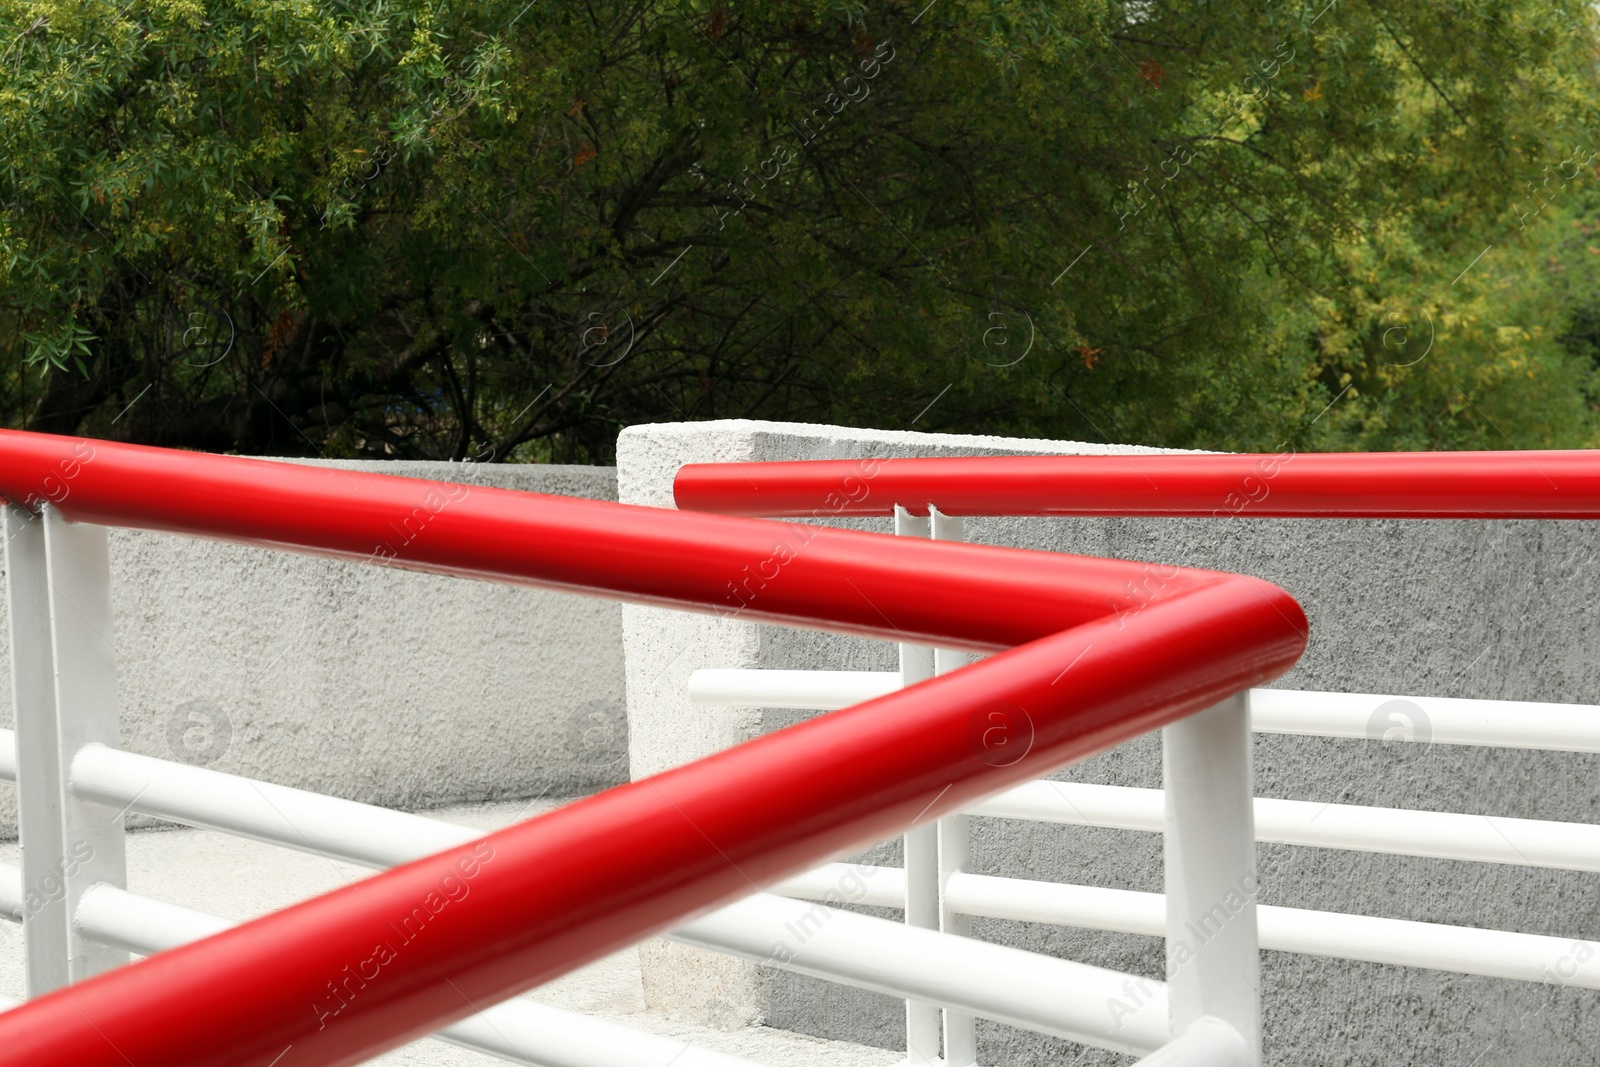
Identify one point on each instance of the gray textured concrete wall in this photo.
(395, 688)
(1475, 609)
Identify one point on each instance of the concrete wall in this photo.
(386, 686)
(1475, 609)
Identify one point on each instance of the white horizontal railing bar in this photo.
(1085, 906)
(822, 690)
(1449, 720)
(1210, 1042)
(379, 837)
(1076, 804)
(1401, 942)
(1399, 831)
(275, 814)
(1008, 985)
(850, 883)
(1434, 946)
(520, 1031)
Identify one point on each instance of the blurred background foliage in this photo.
(504, 230)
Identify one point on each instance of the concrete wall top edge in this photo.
(941, 443)
(649, 455)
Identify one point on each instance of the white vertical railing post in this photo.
(1213, 959)
(89, 842)
(39, 791)
(78, 567)
(922, 842)
(960, 1029)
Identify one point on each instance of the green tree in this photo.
(403, 228)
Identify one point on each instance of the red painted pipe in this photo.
(775, 572)
(1400, 485)
(1108, 650)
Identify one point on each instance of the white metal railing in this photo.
(1451, 720)
(79, 919)
(76, 785)
(1198, 824)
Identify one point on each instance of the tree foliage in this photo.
(506, 229)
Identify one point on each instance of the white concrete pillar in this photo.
(665, 730)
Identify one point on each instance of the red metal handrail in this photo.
(1401, 485)
(1101, 654)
